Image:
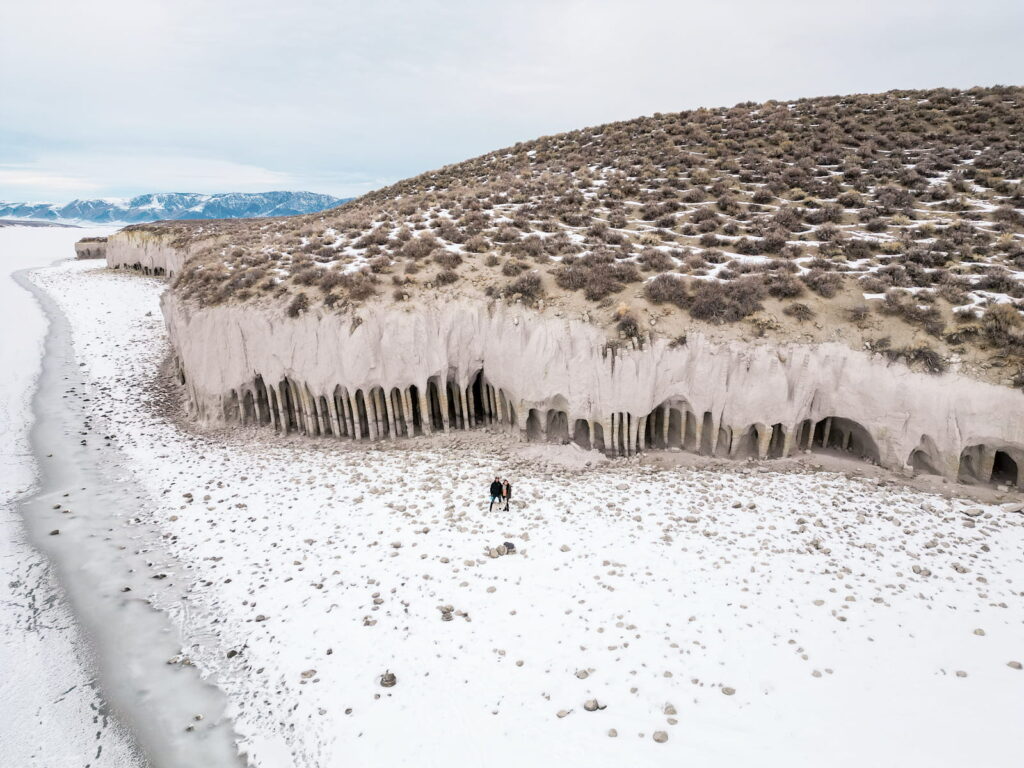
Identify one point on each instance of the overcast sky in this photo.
(119, 97)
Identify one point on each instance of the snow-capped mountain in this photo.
(174, 205)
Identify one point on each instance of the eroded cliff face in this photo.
(153, 254)
(91, 248)
(405, 369)
(402, 369)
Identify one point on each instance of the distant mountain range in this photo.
(174, 205)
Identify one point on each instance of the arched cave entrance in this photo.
(558, 427)
(581, 434)
(1004, 469)
(533, 426)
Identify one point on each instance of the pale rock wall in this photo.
(141, 250)
(91, 249)
(557, 364)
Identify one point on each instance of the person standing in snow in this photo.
(506, 492)
(495, 493)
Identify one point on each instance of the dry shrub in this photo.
(477, 244)
(783, 285)
(902, 304)
(655, 260)
(311, 275)
(421, 246)
(726, 302)
(529, 287)
(923, 355)
(298, 305)
(446, 277)
(360, 285)
(1003, 327)
(446, 258)
(799, 312)
(823, 283)
(666, 288)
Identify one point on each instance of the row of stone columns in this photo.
(376, 414)
(373, 414)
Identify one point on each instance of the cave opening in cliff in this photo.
(479, 390)
(361, 415)
(675, 428)
(557, 427)
(842, 434)
(534, 431)
(597, 437)
(1004, 469)
(707, 436)
(262, 402)
(398, 414)
(777, 444)
(248, 408)
(581, 434)
(652, 428)
(416, 428)
(746, 444)
(434, 405)
(325, 418)
(232, 410)
(454, 405)
(922, 463)
(291, 421)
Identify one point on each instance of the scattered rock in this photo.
(660, 736)
(728, 691)
(388, 679)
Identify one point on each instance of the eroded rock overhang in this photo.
(392, 370)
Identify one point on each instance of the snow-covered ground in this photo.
(51, 710)
(751, 616)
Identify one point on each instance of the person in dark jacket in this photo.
(506, 492)
(495, 493)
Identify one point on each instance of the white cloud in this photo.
(34, 181)
(344, 93)
(73, 173)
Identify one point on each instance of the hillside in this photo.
(174, 205)
(894, 221)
